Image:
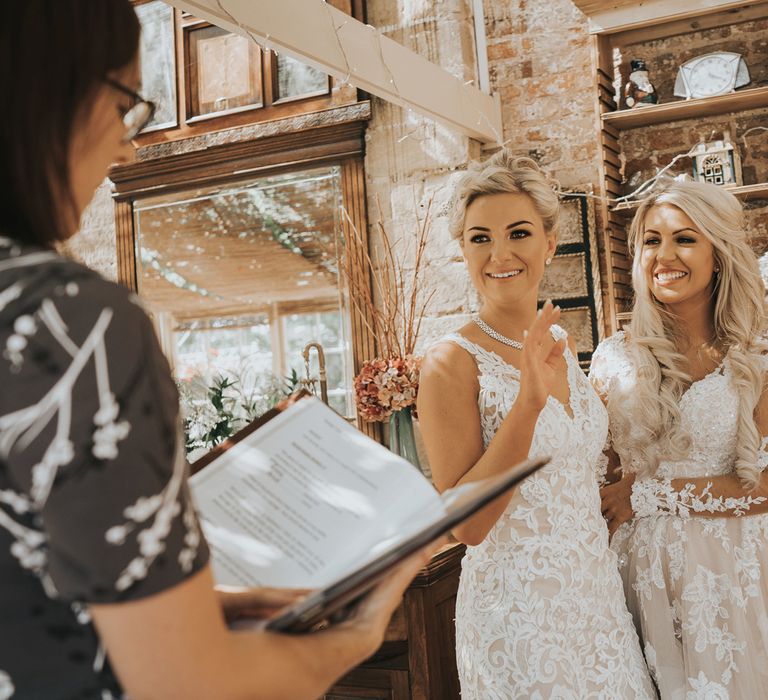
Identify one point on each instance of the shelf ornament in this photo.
(717, 162)
(639, 90)
(712, 74)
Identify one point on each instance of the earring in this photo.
(548, 261)
(716, 270)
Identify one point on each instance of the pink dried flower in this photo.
(387, 385)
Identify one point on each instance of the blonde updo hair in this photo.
(504, 173)
(739, 321)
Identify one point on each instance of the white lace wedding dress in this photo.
(540, 611)
(697, 586)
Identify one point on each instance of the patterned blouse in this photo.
(94, 504)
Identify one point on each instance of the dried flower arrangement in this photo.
(388, 383)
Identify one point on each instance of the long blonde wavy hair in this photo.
(739, 322)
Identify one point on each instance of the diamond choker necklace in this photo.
(485, 328)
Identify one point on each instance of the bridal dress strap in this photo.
(488, 362)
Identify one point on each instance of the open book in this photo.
(308, 501)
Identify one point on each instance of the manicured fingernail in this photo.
(557, 308)
(548, 302)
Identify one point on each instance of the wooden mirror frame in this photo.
(337, 144)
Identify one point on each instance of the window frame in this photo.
(273, 106)
(340, 144)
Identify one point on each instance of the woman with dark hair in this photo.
(104, 579)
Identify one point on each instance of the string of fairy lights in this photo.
(345, 76)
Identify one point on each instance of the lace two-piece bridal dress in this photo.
(696, 585)
(540, 611)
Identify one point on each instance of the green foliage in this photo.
(216, 409)
(291, 382)
(227, 423)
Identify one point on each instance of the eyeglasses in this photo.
(138, 115)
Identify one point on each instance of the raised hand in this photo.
(539, 359)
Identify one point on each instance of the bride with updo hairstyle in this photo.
(686, 393)
(540, 607)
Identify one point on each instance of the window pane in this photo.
(328, 329)
(239, 278)
(295, 79)
(158, 72)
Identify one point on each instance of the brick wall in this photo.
(540, 63)
(649, 148)
(94, 245)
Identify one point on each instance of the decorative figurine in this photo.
(717, 162)
(639, 91)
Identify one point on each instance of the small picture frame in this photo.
(294, 80)
(565, 278)
(578, 322)
(224, 72)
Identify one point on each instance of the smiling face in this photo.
(505, 245)
(677, 261)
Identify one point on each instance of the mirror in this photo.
(239, 278)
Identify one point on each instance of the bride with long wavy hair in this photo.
(686, 394)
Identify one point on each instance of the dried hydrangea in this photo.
(384, 386)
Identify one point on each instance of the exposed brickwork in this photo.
(649, 148)
(95, 244)
(541, 64)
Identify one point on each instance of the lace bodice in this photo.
(572, 437)
(540, 607)
(708, 413)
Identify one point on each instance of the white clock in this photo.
(712, 74)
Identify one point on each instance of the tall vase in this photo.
(401, 439)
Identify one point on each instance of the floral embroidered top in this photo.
(94, 506)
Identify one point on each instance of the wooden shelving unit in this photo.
(621, 30)
(752, 98)
(612, 16)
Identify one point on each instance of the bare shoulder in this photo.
(447, 362)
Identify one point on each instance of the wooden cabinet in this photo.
(418, 658)
(636, 143)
